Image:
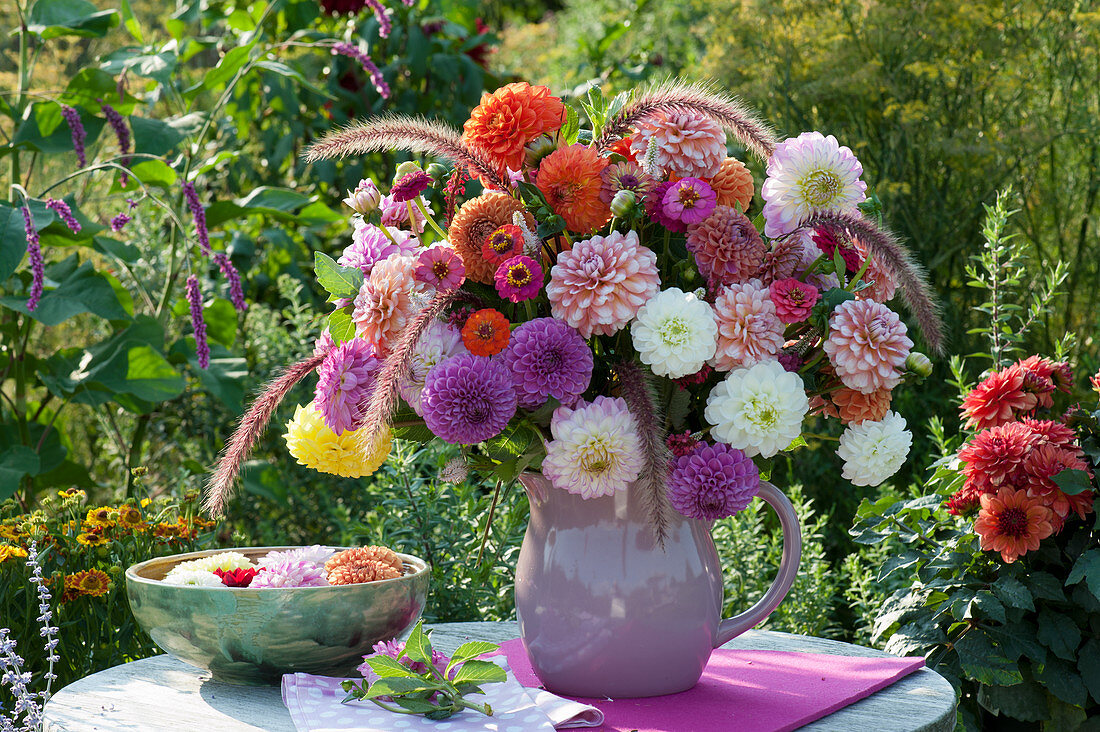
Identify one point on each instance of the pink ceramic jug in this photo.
(605, 612)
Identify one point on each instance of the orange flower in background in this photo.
(486, 333)
(475, 222)
(90, 582)
(733, 183)
(508, 119)
(9, 552)
(570, 179)
(1012, 523)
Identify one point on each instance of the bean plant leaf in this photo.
(80, 289)
(1062, 680)
(56, 18)
(1089, 666)
(338, 281)
(15, 462)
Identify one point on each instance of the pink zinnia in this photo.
(599, 285)
(686, 143)
(518, 279)
(793, 299)
(440, 267)
(689, 200)
(867, 345)
(655, 209)
(748, 328)
(344, 380)
(384, 303)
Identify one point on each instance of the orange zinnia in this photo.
(475, 221)
(1012, 523)
(486, 333)
(570, 179)
(508, 119)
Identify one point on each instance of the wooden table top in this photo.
(161, 693)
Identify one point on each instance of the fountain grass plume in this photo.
(674, 95)
(638, 394)
(401, 132)
(220, 486)
(892, 254)
(380, 402)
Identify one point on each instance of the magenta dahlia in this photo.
(548, 358)
(344, 380)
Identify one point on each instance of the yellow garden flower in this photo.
(10, 532)
(129, 517)
(314, 445)
(90, 539)
(8, 552)
(103, 517)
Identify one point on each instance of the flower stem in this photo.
(427, 217)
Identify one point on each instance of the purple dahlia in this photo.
(467, 399)
(548, 358)
(344, 380)
(712, 482)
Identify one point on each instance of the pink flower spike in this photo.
(440, 267)
(518, 278)
(793, 299)
(689, 200)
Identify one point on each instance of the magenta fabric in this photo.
(748, 691)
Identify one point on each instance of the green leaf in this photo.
(221, 321)
(338, 281)
(56, 18)
(985, 664)
(471, 649)
(571, 127)
(153, 136)
(1045, 586)
(989, 606)
(227, 67)
(340, 325)
(512, 442)
(480, 672)
(80, 289)
(15, 462)
(418, 706)
(130, 22)
(1087, 567)
(1073, 482)
(45, 129)
(1059, 633)
(137, 61)
(224, 376)
(386, 667)
(418, 647)
(396, 685)
(1013, 593)
(155, 173)
(1062, 680)
(1089, 666)
(1026, 701)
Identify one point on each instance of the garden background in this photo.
(960, 114)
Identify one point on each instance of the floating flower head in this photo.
(748, 327)
(370, 245)
(486, 332)
(712, 481)
(385, 303)
(224, 561)
(509, 118)
(505, 242)
(686, 143)
(290, 573)
(314, 445)
(236, 577)
(315, 554)
(365, 198)
(806, 175)
(867, 345)
(548, 358)
(873, 451)
(570, 179)
(440, 267)
(519, 278)
(727, 247)
(599, 285)
(194, 577)
(758, 409)
(675, 333)
(1012, 522)
(467, 399)
(344, 381)
(596, 450)
(793, 299)
(688, 200)
(474, 222)
(440, 341)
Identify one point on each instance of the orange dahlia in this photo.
(475, 222)
(1000, 398)
(570, 179)
(855, 406)
(508, 119)
(1012, 523)
(995, 457)
(732, 184)
(486, 333)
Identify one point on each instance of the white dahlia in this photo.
(675, 333)
(225, 561)
(873, 451)
(759, 409)
(596, 449)
(439, 341)
(196, 577)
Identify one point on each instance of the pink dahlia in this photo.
(689, 200)
(384, 303)
(867, 345)
(370, 245)
(439, 266)
(290, 573)
(344, 380)
(685, 143)
(783, 260)
(883, 281)
(599, 285)
(467, 399)
(748, 328)
(548, 358)
(727, 247)
(518, 279)
(1053, 433)
(712, 482)
(396, 213)
(793, 299)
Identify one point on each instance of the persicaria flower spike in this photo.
(198, 325)
(122, 133)
(198, 213)
(79, 134)
(65, 213)
(236, 293)
(34, 256)
(371, 69)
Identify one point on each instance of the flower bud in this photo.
(365, 198)
(919, 364)
(409, 166)
(538, 149)
(622, 205)
(437, 171)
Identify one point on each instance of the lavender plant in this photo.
(26, 712)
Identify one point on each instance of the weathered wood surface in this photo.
(161, 693)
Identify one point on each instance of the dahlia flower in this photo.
(369, 246)
(855, 406)
(344, 380)
(1053, 433)
(873, 451)
(598, 286)
(686, 143)
(365, 198)
(712, 482)
(596, 450)
(758, 409)
(793, 299)
(806, 175)
(867, 345)
(507, 119)
(782, 260)
(315, 554)
(995, 457)
(688, 200)
(727, 247)
(438, 342)
(733, 184)
(518, 279)
(193, 577)
(998, 399)
(349, 455)
(748, 327)
(674, 333)
(440, 267)
(223, 561)
(486, 333)
(467, 399)
(655, 208)
(1047, 461)
(883, 282)
(290, 573)
(385, 303)
(548, 358)
(474, 222)
(570, 179)
(1012, 523)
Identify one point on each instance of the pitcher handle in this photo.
(788, 568)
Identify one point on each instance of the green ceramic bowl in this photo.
(254, 636)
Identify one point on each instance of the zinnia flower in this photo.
(344, 380)
(314, 445)
(655, 208)
(438, 342)
(828, 243)
(686, 143)
(570, 179)
(369, 246)
(758, 409)
(998, 399)
(793, 299)
(712, 482)
(599, 285)
(806, 175)
(467, 399)
(519, 278)
(410, 186)
(727, 247)
(474, 222)
(748, 327)
(384, 303)
(236, 577)
(625, 176)
(439, 266)
(548, 358)
(1012, 523)
(688, 200)
(867, 345)
(872, 451)
(996, 456)
(486, 333)
(290, 573)
(504, 243)
(506, 120)
(596, 450)
(674, 333)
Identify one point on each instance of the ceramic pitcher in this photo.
(606, 612)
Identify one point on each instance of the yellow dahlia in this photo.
(475, 222)
(571, 180)
(314, 445)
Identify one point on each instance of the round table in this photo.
(161, 693)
